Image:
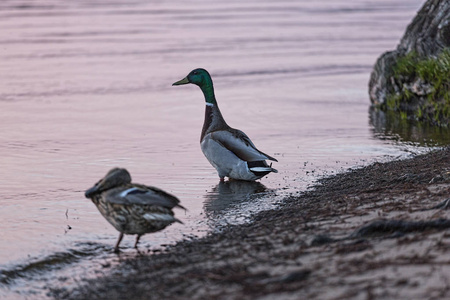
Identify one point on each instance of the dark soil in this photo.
(379, 232)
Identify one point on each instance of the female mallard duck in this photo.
(229, 150)
(132, 208)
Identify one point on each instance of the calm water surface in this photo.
(86, 86)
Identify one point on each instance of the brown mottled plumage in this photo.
(132, 208)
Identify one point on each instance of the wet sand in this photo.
(370, 233)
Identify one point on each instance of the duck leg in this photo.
(137, 241)
(116, 248)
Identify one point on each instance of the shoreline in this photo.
(368, 233)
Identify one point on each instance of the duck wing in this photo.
(240, 144)
(142, 195)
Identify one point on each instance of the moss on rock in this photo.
(413, 80)
(425, 88)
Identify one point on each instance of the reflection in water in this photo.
(231, 200)
(389, 126)
(85, 86)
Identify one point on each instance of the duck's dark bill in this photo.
(91, 191)
(185, 80)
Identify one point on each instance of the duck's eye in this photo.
(195, 73)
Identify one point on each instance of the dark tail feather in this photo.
(260, 168)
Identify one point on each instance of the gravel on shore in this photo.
(378, 232)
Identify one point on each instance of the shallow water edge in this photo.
(311, 245)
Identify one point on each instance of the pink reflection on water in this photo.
(86, 88)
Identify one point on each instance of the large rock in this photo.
(427, 37)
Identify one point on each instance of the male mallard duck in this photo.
(132, 208)
(229, 150)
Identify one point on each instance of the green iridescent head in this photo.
(201, 78)
(198, 77)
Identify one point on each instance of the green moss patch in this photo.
(424, 93)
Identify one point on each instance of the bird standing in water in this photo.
(132, 208)
(229, 150)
